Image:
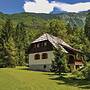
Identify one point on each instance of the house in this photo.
(41, 53)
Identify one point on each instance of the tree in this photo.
(6, 31)
(8, 48)
(87, 26)
(69, 28)
(21, 42)
(57, 28)
(87, 33)
(59, 64)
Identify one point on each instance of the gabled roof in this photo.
(56, 42)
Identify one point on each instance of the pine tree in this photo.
(59, 64)
(57, 28)
(7, 45)
(21, 42)
(69, 28)
(11, 52)
(87, 26)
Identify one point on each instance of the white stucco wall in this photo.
(39, 64)
(32, 61)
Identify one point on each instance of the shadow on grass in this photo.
(51, 74)
(84, 84)
(28, 69)
(24, 68)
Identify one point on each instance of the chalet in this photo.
(41, 53)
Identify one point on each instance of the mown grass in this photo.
(21, 79)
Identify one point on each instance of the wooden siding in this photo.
(40, 47)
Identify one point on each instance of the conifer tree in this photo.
(8, 48)
(87, 26)
(57, 28)
(21, 42)
(59, 64)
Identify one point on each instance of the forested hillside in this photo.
(18, 30)
(74, 19)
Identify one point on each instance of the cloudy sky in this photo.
(43, 6)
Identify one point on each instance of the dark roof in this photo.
(56, 42)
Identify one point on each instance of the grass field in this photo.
(20, 79)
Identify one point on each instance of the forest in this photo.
(17, 31)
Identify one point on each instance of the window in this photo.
(38, 45)
(45, 43)
(44, 66)
(44, 56)
(37, 56)
(35, 45)
(71, 59)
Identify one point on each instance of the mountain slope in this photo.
(75, 19)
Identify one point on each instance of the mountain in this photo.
(75, 19)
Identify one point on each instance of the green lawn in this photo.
(20, 79)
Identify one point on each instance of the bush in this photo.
(2, 65)
(87, 73)
(78, 75)
(83, 74)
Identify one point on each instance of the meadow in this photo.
(22, 79)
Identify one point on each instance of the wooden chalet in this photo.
(41, 53)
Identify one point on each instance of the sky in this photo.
(43, 6)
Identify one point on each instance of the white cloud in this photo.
(39, 6)
(73, 7)
(43, 6)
